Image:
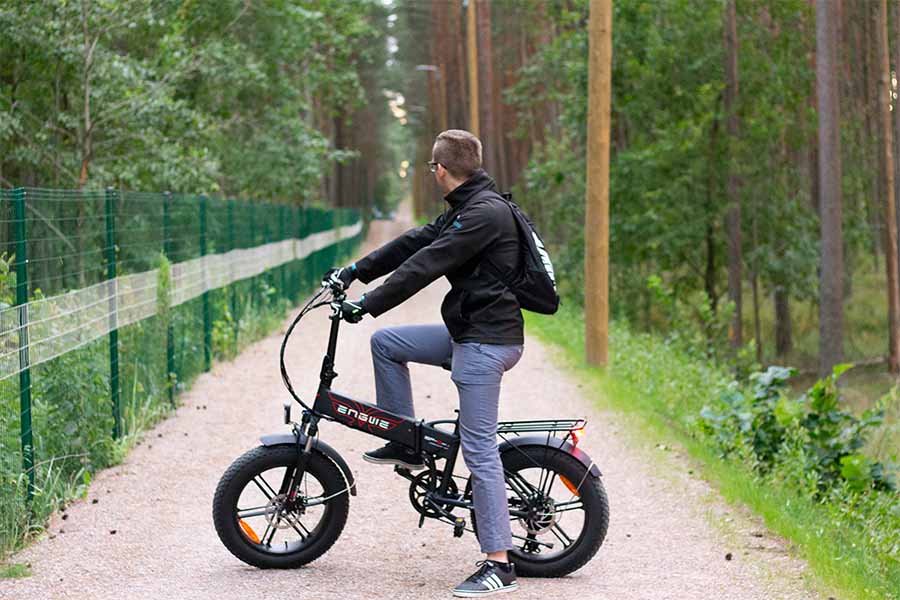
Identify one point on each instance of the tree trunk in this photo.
(754, 284)
(488, 136)
(890, 215)
(784, 341)
(831, 273)
(733, 216)
(896, 115)
(456, 69)
(596, 260)
(472, 51)
(437, 79)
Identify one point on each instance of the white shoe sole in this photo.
(393, 461)
(472, 594)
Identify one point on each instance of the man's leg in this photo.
(392, 349)
(477, 371)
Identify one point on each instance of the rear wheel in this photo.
(564, 511)
(262, 526)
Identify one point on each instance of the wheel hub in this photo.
(277, 506)
(541, 516)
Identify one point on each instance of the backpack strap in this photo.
(506, 197)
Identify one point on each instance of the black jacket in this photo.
(470, 243)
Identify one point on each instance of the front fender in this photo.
(277, 439)
(510, 445)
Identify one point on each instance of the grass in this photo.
(663, 401)
(15, 571)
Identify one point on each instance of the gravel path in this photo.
(668, 538)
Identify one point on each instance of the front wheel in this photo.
(563, 511)
(262, 526)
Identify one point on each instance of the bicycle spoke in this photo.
(245, 513)
(519, 485)
(264, 486)
(295, 523)
(561, 535)
(532, 539)
(550, 480)
(573, 505)
(269, 533)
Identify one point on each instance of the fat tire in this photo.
(260, 459)
(596, 511)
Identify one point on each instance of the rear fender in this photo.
(515, 444)
(289, 439)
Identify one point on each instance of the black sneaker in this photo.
(395, 454)
(491, 578)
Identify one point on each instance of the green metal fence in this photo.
(111, 302)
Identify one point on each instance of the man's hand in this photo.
(353, 312)
(343, 276)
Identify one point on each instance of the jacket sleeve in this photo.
(390, 256)
(468, 235)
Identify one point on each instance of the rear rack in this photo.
(550, 425)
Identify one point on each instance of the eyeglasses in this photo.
(432, 166)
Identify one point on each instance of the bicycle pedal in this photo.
(459, 526)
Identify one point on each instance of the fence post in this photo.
(207, 322)
(24, 363)
(171, 376)
(233, 284)
(251, 222)
(285, 293)
(112, 290)
(295, 264)
(267, 274)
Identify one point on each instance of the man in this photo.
(474, 243)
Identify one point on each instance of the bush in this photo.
(809, 434)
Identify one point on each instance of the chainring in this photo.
(425, 482)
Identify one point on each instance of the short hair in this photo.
(459, 151)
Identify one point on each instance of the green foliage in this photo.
(156, 95)
(800, 462)
(671, 154)
(14, 571)
(812, 431)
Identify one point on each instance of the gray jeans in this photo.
(477, 371)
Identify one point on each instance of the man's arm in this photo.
(469, 234)
(390, 256)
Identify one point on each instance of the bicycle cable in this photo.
(311, 304)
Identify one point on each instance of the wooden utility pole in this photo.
(596, 226)
(890, 207)
(831, 272)
(733, 215)
(472, 49)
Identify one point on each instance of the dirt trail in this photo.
(668, 535)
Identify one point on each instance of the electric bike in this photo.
(284, 503)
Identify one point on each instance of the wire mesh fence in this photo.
(112, 302)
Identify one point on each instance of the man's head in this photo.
(455, 157)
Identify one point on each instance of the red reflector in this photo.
(577, 434)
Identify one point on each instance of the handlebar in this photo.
(337, 295)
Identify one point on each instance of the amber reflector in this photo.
(569, 485)
(251, 535)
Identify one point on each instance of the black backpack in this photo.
(534, 284)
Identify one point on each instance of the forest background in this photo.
(715, 213)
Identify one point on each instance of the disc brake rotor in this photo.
(274, 510)
(541, 517)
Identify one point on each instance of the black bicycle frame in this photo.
(421, 436)
(425, 438)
